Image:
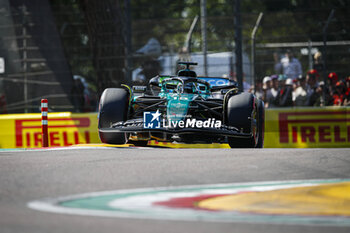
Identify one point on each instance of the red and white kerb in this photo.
(44, 110)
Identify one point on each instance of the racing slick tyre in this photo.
(113, 107)
(260, 124)
(243, 113)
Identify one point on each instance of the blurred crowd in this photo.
(309, 90)
(292, 88)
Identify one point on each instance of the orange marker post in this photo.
(44, 125)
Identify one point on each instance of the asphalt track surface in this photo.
(35, 174)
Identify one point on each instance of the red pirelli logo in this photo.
(63, 131)
(314, 127)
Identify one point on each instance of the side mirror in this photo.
(154, 81)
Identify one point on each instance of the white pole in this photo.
(204, 35)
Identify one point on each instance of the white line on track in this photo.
(72, 148)
(137, 203)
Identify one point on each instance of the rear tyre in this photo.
(113, 107)
(240, 114)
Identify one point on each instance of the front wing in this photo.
(132, 126)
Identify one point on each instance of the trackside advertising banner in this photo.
(65, 129)
(307, 127)
(284, 128)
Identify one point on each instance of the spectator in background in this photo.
(291, 66)
(323, 92)
(266, 87)
(285, 93)
(339, 94)
(271, 94)
(300, 93)
(267, 82)
(318, 63)
(347, 93)
(312, 85)
(332, 81)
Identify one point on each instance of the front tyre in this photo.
(113, 107)
(243, 113)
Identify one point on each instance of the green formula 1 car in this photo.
(183, 108)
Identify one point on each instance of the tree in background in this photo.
(94, 31)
